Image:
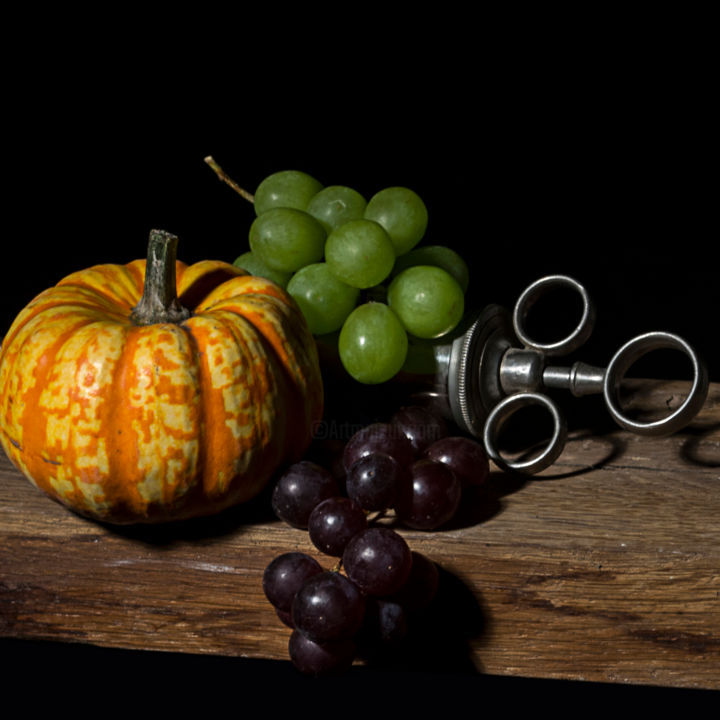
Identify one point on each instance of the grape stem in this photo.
(378, 515)
(228, 180)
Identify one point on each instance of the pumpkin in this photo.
(155, 390)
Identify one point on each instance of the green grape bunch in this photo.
(357, 268)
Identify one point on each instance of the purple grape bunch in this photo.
(335, 614)
(411, 466)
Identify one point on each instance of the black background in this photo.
(562, 153)
(608, 181)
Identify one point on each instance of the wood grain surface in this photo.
(606, 567)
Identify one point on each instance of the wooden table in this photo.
(604, 568)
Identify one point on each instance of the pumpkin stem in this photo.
(229, 181)
(159, 302)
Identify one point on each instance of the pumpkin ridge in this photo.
(37, 458)
(293, 347)
(241, 286)
(48, 300)
(135, 271)
(92, 352)
(121, 484)
(202, 429)
(152, 473)
(299, 355)
(163, 413)
(246, 427)
(208, 412)
(118, 283)
(203, 278)
(103, 300)
(43, 316)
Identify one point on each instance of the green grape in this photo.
(287, 239)
(438, 255)
(427, 299)
(373, 343)
(360, 253)
(252, 263)
(287, 188)
(402, 213)
(324, 300)
(335, 205)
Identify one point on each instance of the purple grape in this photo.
(371, 481)
(465, 456)
(327, 607)
(421, 426)
(385, 622)
(378, 437)
(431, 498)
(299, 489)
(285, 618)
(333, 523)
(314, 658)
(285, 575)
(378, 560)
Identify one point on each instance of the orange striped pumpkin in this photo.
(131, 402)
